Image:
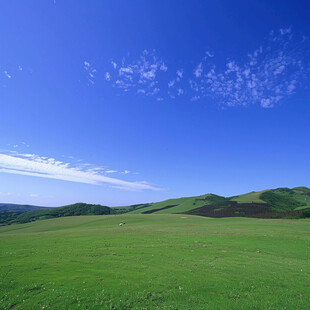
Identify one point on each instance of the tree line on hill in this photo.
(11, 217)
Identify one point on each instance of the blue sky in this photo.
(121, 102)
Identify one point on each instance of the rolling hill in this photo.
(275, 203)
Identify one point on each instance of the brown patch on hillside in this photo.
(235, 209)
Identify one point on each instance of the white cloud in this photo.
(7, 75)
(266, 76)
(270, 73)
(195, 98)
(140, 75)
(180, 91)
(163, 67)
(284, 31)
(107, 76)
(34, 195)
(34, 165)
(198, 70)
(171, 83)
(209, 54)
(125, 70)
(180, 73)
(90, 72)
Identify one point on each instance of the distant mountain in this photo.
(48, 213)
(17, 207)
(275, 203)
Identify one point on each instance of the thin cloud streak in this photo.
(34, 165)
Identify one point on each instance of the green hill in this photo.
(280, 202)
(274, 203)
(48, 213)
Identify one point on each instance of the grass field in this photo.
(155, 262)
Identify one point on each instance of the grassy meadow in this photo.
(157, 261)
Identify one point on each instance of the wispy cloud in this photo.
(91, 72)
(44, 167)
(198, 70)
(9, 76)
(268, 75)
(107, 76)
(180, 73)
(114, 64)
(265, 77)
(139, 75)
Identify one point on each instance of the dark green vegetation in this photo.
(155, 262)
(276, 203)
(9, 211)
(47, 213)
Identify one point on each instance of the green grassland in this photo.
(155, 261)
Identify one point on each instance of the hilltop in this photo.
(274, 203)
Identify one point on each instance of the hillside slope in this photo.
(280, 202)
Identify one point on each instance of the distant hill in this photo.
(17, 207)
(275, 203)
(48, 213)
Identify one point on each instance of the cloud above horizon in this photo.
(44, 167)
(140, 75)
(268, 75)
(90, 72)
(265, 77)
